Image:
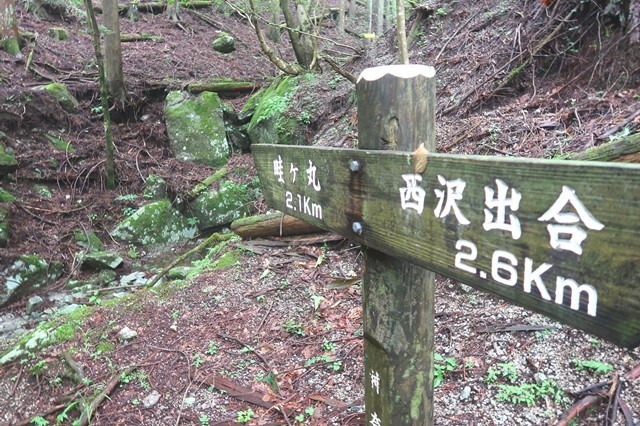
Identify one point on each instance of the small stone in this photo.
(224, 43)
(33, 303)
(539, 378)
(466, 393)
(102, 260)
(127, 334)
(151, 399)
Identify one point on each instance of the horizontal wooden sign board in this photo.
(560, 238)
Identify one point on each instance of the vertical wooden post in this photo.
(396, 111)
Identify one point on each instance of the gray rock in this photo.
(134, 278)
(195, 127)
(25, 275)
(102, 260)
(465, 393)
(60, 93)
(127, 334)
(34, 303)
(151, 399)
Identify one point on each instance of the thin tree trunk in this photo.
(9, 28)
(274, 29)
(352, 9)
(403, 52)
(341, 13)
(380, 18)
(292, 69)
(113, 51)
(104, 94)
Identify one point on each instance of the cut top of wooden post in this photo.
(400, 71)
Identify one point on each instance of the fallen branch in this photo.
(89, 411)
(625, 149)
(130, 38)
(619, 127)
(592, 399)
(213, 238)
(272, 225)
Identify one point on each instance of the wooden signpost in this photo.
(559, 238)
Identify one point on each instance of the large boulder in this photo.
(213, 209)
(269, 122)
(196, 128)
(155, 226)
(25, 275)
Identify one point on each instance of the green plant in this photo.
(506, 370)
(273, 106)
(316, 301)
(529, 393)
(441, 367)
(304, 118)
(245, 416)
(96, 109)
(39, 367)
(198, 360)
(128, 211)
(39, 421)
(132, 252)
(60, 418)
(261, 298)
(328, 346)
(293, 327)
(213, 348)
(204, 420)
(593, 366)
(126, 197)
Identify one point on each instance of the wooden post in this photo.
(396, 111)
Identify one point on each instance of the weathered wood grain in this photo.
(610, 259)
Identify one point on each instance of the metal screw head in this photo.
(354, 166)
(357, 227)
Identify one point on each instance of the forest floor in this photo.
(277, 339)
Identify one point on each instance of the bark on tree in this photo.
(303, 56)
(292, 69)
(274, 29)
(95, 38)
(9, 27)
(113, 51)
(352, 9)
(379, 16)
(341, 13)
(403, 52)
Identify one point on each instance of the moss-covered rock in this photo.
(60, 93)
(25, 275)
(58, 33)
(88, 240)
(155, 226)
(270, 123)
(155, 188)
(60, 144)
(8, 162)
(6, 197)
(213, 209)
(196, 128)
(4, 228)
(224, 43)
(102, 260)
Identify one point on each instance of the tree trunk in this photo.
(370, 14)
(9, 28)
(379, 14)
(95, 36)
(303, 57)
(274, 29)
(403, 52)
(341, 12)
(113, 51)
